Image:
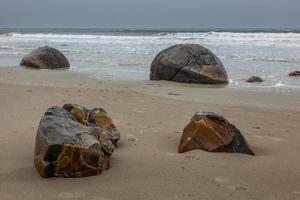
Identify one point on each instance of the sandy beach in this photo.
(154, 113)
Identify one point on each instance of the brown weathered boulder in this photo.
(45, 58)
(68, 144)
(188, 63)
(294, 73)
(255, 79)
(211, 132)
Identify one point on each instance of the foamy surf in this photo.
(127, 54)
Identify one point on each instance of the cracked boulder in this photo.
(69, 144)
(213, 133)
(188, 63)
(45, 58)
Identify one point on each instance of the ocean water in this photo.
(127, 54)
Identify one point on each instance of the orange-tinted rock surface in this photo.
(211, 132)
(70, 144)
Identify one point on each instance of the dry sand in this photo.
(154, 113)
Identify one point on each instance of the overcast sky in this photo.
(150, 13)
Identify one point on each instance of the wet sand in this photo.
(154, 113)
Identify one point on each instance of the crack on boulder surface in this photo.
(180, 69)
(190, 62)
(185, 63)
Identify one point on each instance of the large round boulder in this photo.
(45, 58)
(188, 63)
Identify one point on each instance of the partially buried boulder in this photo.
(211, 132)
(294, 73)
(70, 144)
(45, 58)
(255, 79)
(188, 63)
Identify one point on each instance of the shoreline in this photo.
(129, 56)
(154, 113)
(214, 94)
(238, 84)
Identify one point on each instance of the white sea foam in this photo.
(114, 55)
(220, 38)
(280, 84)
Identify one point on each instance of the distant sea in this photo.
(126, 54)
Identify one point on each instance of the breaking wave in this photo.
(268, 54)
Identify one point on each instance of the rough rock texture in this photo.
(255, 79)
(294, 73)
(45, 58)
(188, 63)
(70, 144)
(211, 132)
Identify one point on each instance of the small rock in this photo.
(294, 73)
(255, 79)
(256, 127)
(131, 138)
(213, 133)
(240, 188)
(172, 93)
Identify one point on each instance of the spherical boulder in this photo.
(45, 58)
(188, 63)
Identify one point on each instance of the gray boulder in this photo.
(294, 73)
(255, 79)
(45, 58)
(65, 147)
(188, 63)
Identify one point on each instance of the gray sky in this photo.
(150, 13)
